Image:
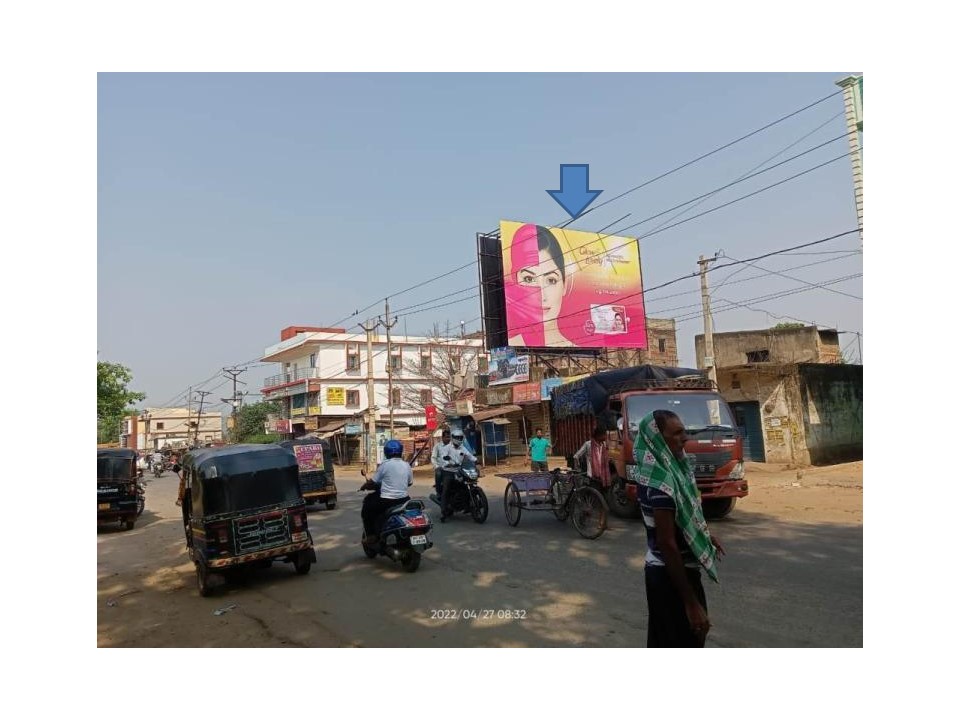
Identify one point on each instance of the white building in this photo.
(156, 428)
(322, 378)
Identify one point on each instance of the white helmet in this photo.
(456, 437)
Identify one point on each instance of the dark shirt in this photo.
(651, 500)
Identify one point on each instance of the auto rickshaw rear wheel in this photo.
(203, 580)
(129, 524)
(301, 563)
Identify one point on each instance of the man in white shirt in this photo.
(390, 484)
(436, 459)
(453, 456)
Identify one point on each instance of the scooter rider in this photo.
(436, 459)
(390, 482)
(453, 455)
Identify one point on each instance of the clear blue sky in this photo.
(231, 206)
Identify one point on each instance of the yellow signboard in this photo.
(313, 410)
(336, 396)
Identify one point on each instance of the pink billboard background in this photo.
(567, 288)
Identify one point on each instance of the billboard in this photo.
(567, 288)
(506, 367)
(309, 457)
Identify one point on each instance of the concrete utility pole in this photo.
(370, 456)
(709, 362)
(385, 321)
(196, 433)
(233, 373)
(853, 110)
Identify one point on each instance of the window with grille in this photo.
(426, 364)
(313, 360)
(395, 400)
(758, 356)
(426, 397)
(395, 361)
(159, 426)
(353, 398)
(455, 362)
(353, 356)
(662, 344)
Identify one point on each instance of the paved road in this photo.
(783, 584)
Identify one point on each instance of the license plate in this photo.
(418, 540)
(103, 506)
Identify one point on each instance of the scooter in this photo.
(466, 495)
(404, 534)
(158, 469)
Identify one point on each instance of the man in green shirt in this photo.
(538, 452)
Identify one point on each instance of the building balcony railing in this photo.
(292, 376)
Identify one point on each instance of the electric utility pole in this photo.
(709, 362)
(196, 433)
(385, 321)
(369, 459)
(233, 373)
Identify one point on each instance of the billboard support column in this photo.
(853, 110)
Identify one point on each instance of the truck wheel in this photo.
(715, 509)
(618, 502)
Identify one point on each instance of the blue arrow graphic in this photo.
(574, 194)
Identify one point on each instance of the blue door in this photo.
(747, 416)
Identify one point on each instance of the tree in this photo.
(788, 326)
(444, 375)
(251, 419)
(113, 399)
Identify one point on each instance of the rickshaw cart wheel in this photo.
(589, 513)
(203, 579)
(560, 507)
(511, 504)
(129, 524)
(410, 560)
(301, 563)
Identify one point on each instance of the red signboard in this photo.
(526, 393)
(431, 413)
(283, 426)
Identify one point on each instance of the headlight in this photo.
(736, 473)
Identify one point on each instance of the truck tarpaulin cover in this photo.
(589, 395)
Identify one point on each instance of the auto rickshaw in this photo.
(242, 505)
(316, 470)
(117, 493)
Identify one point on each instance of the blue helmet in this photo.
(393, 449)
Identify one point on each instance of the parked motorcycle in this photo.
(466, 494)
(404, 535)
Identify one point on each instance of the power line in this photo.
(708, 154)
(788, 277)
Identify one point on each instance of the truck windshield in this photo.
(698, 411)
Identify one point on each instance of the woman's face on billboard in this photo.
(547, 276)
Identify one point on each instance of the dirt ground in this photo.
(146, 594)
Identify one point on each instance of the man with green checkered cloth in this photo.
(678, 542)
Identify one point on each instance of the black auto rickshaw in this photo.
(117, 495)
(242, 505)
(316, 470)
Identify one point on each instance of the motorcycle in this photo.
(466, 494)
(158, 469)
(404, 534)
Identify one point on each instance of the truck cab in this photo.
(714, 444)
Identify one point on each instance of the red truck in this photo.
(616, 401)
